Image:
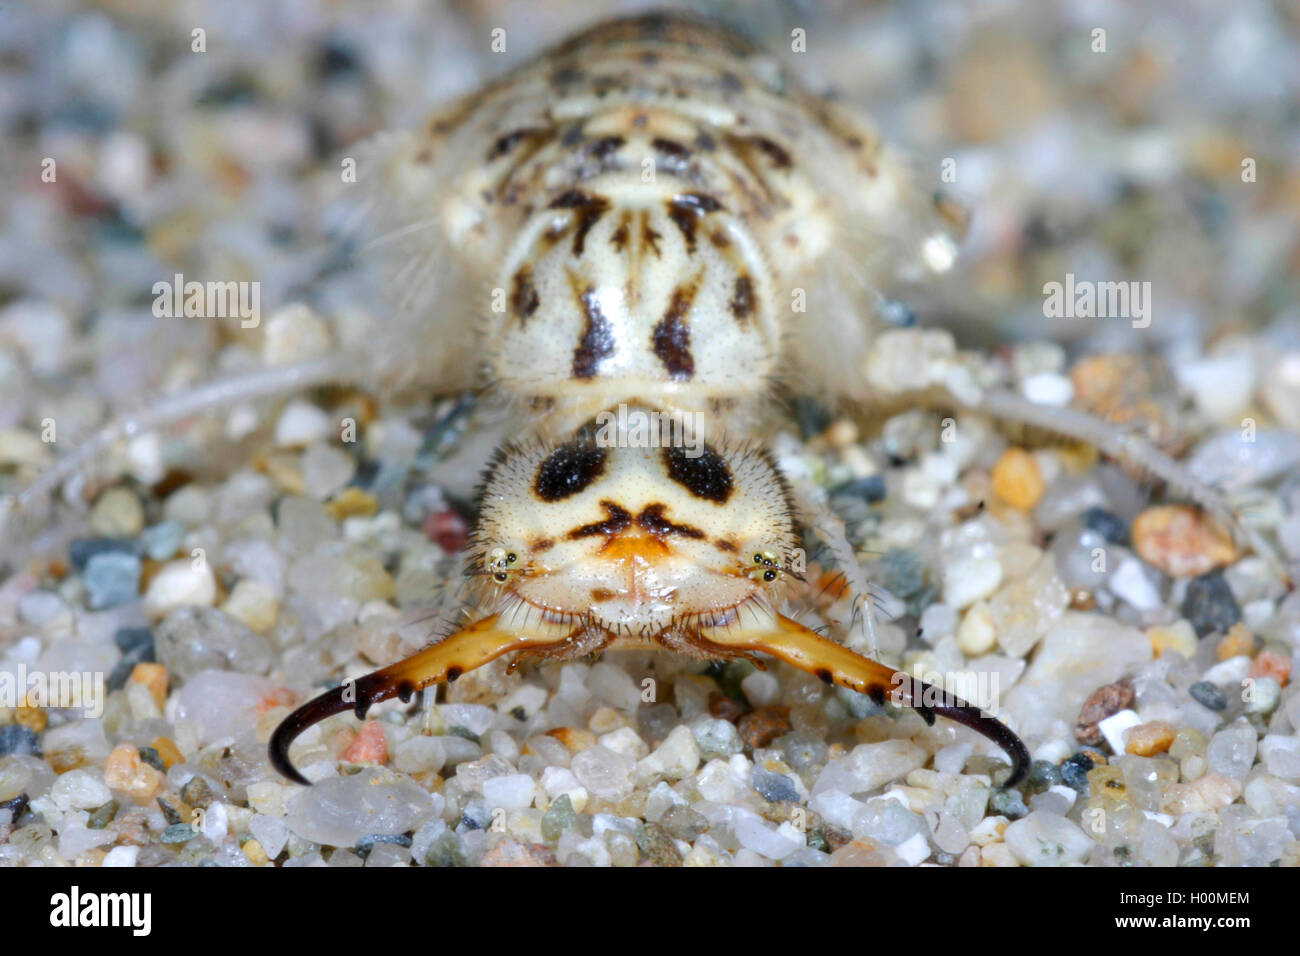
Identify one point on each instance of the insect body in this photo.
(644, 199)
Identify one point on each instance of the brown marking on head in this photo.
(618, 521)
(568, 470)
(538, 545)
(671, 339)
(705, 476)
(727, 545)
(652, 521)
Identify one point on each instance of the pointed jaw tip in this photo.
(314, 711)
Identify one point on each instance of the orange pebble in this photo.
(167, 751)
(1017, 480)
(1236, 643)
(369, 747)
(575, 738)
(125, 771)
(1271, 664)
(1149, 739)
(1182, 541)
(33, 718)
(154, 677)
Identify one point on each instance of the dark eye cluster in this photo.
(511, 558)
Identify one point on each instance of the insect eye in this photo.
(511, 558)
(758, 559)
(500, 575)
(769, 575)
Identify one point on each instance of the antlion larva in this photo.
(646, 197)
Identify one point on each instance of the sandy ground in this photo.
(215, 574)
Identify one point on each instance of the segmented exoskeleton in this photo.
(627, 221)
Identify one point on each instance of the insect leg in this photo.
(446, 660)
(817, 514)
(1128, 448)
(906, 367)
(795, 644)
(172, 408)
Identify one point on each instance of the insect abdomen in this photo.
(641, 210)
